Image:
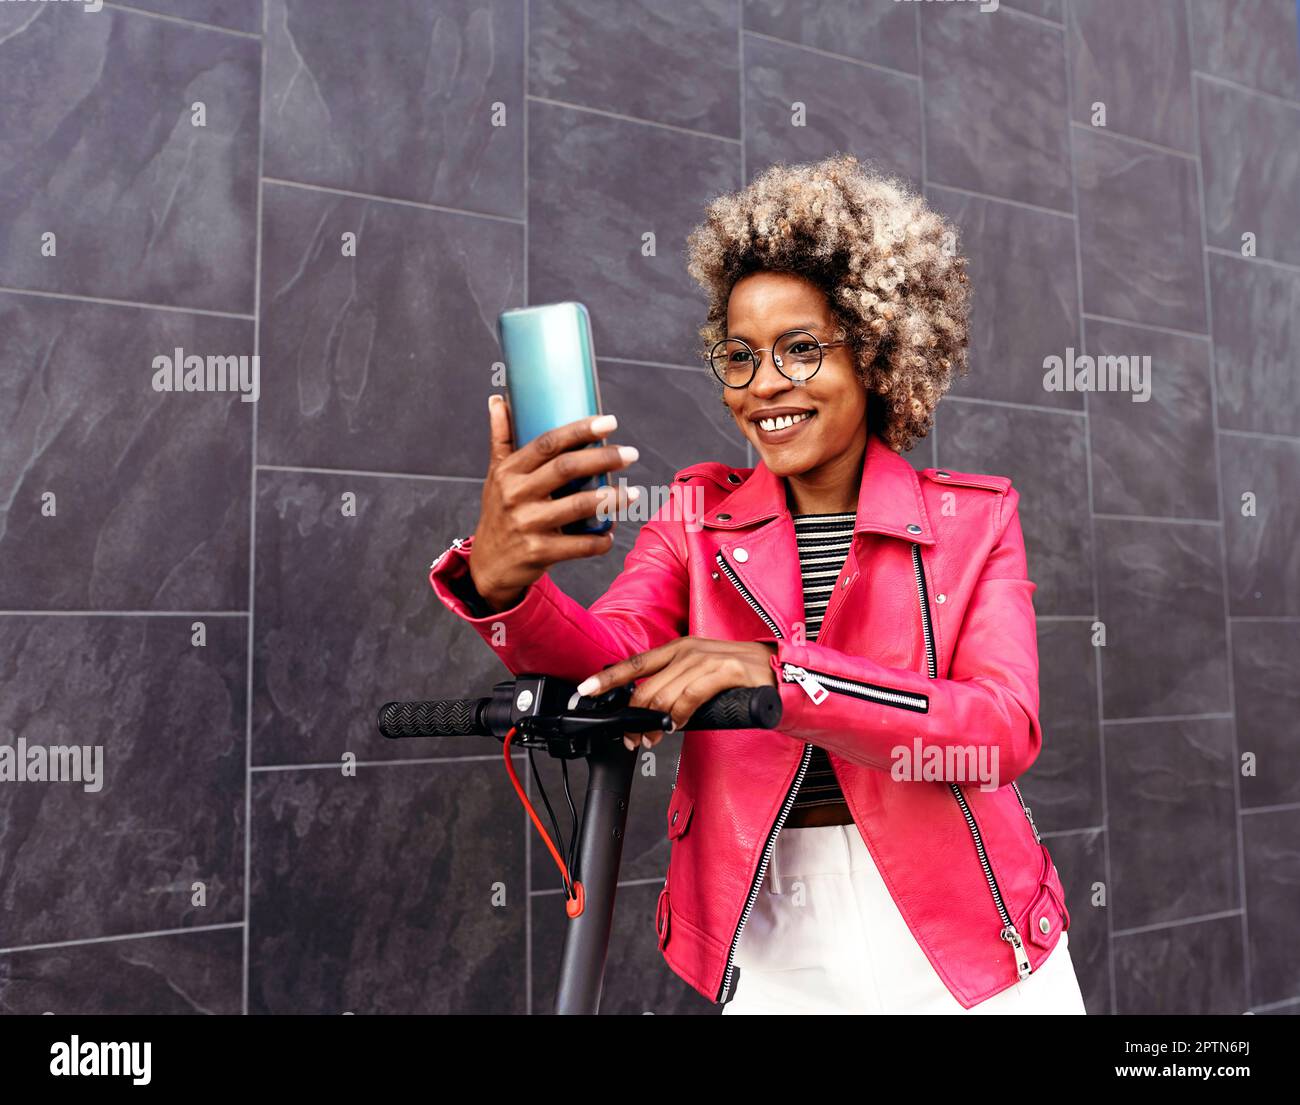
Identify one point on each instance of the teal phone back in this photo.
(551, 377)
(550, 367)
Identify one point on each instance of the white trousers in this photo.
(825, 936)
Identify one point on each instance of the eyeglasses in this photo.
(797, 355)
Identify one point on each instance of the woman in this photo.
(872, 854)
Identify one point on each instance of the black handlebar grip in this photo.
(739, 708)
(451, 717)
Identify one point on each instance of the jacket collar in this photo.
(889, 500)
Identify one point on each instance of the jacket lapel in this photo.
(766, 559)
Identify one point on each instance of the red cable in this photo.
(573, 904)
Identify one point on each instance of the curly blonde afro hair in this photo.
(887, 262)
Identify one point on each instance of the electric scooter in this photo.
(544, 713)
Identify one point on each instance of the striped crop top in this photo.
(823, 541)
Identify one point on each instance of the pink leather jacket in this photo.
(927, 656)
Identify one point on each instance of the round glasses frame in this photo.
(822, 346)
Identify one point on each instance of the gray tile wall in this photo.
(183, 585)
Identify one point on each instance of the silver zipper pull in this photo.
(791, 673)
(457, 543)
(1030, 814)
(1012, 937)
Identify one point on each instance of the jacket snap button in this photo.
(912, 527)
(742, 555)
(678, 813)
(940, 598)
(942, 474)
(724, 517)
(715, 575)
(732, 477)
(1044, 925)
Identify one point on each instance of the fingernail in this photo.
(628, 744)
(645, 742)
(602, 424)
(588, 685)
(629, 453)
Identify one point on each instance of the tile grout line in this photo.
(653, 364)
(744, 167)
(1088, 128)
(1110, 516)
(123, 936)
(1069, 30)
(271, 769)
(1191, 335)
(1180, 922)
(124, 613)
(555, 890)
(528, 775)
(740, 70)
(1048, 834)
(1244, 89)
(75, 297)
(252, 539)
(569, 105)
(1013, 404)
(362, 472)
(1260, 435)
(1223, 530)
(1281, 807)
(925, 188)
(809, 48)
(1268, 262)
(373, 197)
(991, 198)
(117, 5)
(1160, 719)
(1056, 25)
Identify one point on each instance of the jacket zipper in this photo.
(815, 683)
(931, 669)
(729, 572)
(927, 631)
(1029, 814)
(1009, 932)
(812, 682)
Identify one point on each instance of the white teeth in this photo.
(783, 422)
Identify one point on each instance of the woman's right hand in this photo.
(518, 534)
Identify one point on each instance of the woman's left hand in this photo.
(677, 678)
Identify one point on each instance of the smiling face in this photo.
(831, 432)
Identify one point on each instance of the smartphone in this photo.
(551, 380)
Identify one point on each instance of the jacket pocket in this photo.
(1047, 917)
(679, 812)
